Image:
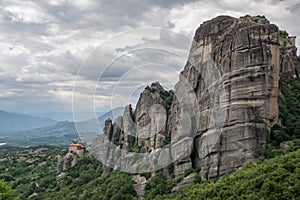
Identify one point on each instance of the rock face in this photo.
(150, 117)
(186, 182)
(225, 100)
(288, 57)
(286, 145)
(140, 183)
(76, 151)
(242, 60)
(67, 161)
(141, 131)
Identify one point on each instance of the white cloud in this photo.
(43, 43)
(25, 12)
(281, 13)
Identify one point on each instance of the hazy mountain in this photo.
(90, 128)
(65, 116)
(59, 134)
(15, 121)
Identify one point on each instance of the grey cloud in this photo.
(295, 8)
(169, 25)
(57, 43)
(112, 60)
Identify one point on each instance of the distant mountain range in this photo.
(65, 116)
(15, 121)
(59, 134)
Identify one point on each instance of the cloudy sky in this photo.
(103, 53)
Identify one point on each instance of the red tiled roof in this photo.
(77, 145)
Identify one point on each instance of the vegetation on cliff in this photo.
(287, 133)
(277, 178)
(159, 185)
(167, 96)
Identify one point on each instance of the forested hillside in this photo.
(277, 178)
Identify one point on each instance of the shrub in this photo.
(159, 185)
(6, 192)
(277, 178)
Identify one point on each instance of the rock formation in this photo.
(140, 183)
(248, 56)
(288, 59)
(76, 151)
(141, 131)
(67, 161)
(150, 118)
(225, 100)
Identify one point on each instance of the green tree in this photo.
(159, 185)
(6, 192)
(277, 178)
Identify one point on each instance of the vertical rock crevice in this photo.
(246, 53)
(232, 85)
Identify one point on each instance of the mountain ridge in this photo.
(10, 121)
(60, 134)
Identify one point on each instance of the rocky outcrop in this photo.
(142, 131)
(288, 56)
(225, 100)
(66, 162)
(150, 118)
(240, 60)
(60, 178)
(286, 146)
(140, 183)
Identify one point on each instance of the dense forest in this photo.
(30, 173)
(276, 178)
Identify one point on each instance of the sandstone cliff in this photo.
(225, 100)
(250, 59)
(142, 131)
(67, 161)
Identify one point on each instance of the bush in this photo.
(271, 152)
(277, 178)
(150, 89)
(5, 192)
(283, 33)
(289, 115)
(190, 171)
(159, 185)
(116, 185)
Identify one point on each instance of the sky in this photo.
(94, 55)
